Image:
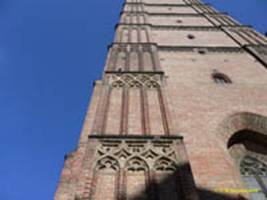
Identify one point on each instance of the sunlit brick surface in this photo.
(179, 20)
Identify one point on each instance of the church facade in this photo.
(180, 112)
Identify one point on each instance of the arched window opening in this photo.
(252, 141)
(249, 149)
(254, 175)
(220, 78)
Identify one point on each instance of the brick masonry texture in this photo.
(181, 103)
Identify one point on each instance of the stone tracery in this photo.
(137, 156)
(134, 80)
(251, 166)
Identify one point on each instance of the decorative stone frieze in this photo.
(138, 153)
(151, 161)
(149, 80)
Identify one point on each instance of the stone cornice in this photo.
(167, 5)
(218, 13)
(169, 27)
(191, 48)
(256, 45)
(165, 14)
(201, 4)
(193, 28)
(259, 52)
(159, 13)
(242, 27)
(202, 48)
(135, 72)
(186, 27)
(237, 26)
(138, 137)
(123, 45)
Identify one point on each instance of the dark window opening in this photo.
(190, 36)
(202, 51)
(221, 78)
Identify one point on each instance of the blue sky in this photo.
(51, 51)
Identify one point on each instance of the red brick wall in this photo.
(158, 81)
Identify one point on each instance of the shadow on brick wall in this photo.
(210, 195)
(178, 185)
(182, 190)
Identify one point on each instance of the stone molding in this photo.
(127, 46)
(173, 14)
(207, 49)
(245, 35)
(166, 4)
(156, 47)
(186, 27)
(259, 52)
(261, 49)
(164, 14)
(168, 27)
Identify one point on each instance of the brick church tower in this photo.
(179, 112)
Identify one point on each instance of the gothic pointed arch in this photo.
(247, 145)
(107, 163)
(165, 164)
(236, 122)
(136, 164)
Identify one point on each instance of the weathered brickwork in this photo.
(180, 110)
